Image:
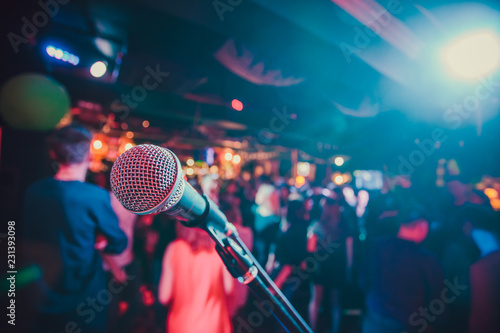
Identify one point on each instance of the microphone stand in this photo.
(243, 266)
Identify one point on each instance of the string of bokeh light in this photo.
(62, 55)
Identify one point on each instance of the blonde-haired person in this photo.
(194, 283)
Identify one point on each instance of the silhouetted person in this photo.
(331, 245)
(290, 253)
(401, 279)
(63, 217)
(485, 273)
(267, 219)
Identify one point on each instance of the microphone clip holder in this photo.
(243, 266)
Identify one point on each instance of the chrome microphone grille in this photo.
(147, 179)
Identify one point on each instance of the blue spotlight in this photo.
(62, 55)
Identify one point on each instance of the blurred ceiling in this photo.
(327, 77)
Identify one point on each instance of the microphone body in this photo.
(148, 179)
(193, 208)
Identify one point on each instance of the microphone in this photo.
(148, 179)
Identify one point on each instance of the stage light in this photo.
(303, 169)
(236, 159)
(189, 171)
(339, 180)
(51, 51)
(190, 162)
(299, 181)
(98, 69)
(228, 157)
(128, 146)
(214, 169)
(237, 105)
(473, 55)
(58, 54)
(97, 144)
(339, 161)
(130, 135)
(62, 55)
(145, 124)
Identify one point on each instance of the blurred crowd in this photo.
(348, 259)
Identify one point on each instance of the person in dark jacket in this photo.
(67, 222)
(402, 280)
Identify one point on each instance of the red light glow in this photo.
(237, 105)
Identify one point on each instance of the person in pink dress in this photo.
(194, 283)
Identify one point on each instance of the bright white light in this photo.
(97, 144)
(236, 159)
(189, 171)
(190, 162)
(128, 146)
(303, 169)
(98, 69)
(473, 55)
(228, 156)
(58, 54)
(51, 51)
(339, 161)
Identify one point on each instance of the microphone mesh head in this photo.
(147, 179)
